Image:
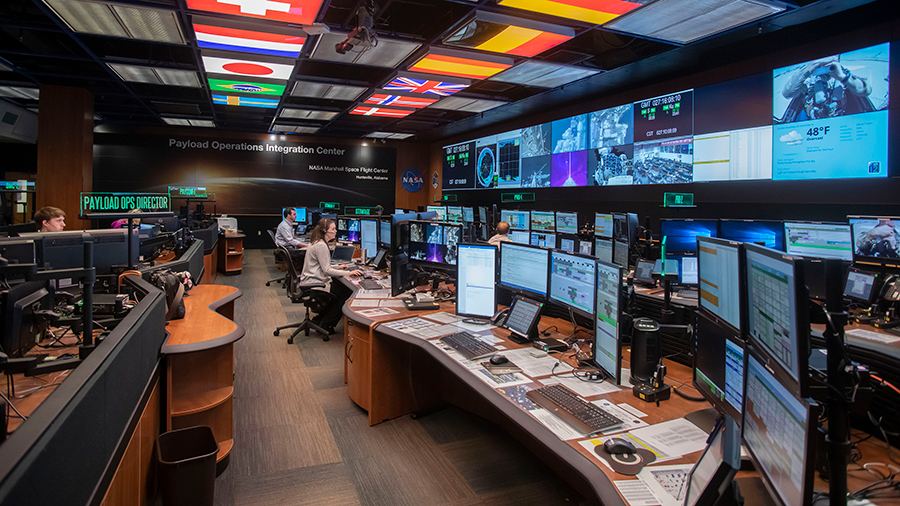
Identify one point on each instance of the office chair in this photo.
(313, 296)
(279, 257)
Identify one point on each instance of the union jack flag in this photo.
(424, 86)
(381, 111)
(397, 100)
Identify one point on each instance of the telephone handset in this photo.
(891, 290)
(499, 318)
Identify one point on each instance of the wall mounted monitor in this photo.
(384, 233)
(568, 243)
(476, 270)
(607, 316)
(368, 237)
(681, 235)
(566, 223)
(719, 365)
(603, 249)
(818, 240)
(454, 214)
(761, 232)
(603, 225)
(518, 220)
(543, 239)
(860, 285)
(434, 242)
(468, 215)
(573, 280)
(543, 221)
(520, 236)
(876, 239)
(524, 268)
(440, 212)
(585, 247)
(777, 316)
(719, 278)
(779, 431)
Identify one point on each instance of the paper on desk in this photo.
(438, 331)
(442, 317)
(636, 493)
(412, 326)
(631, 409)
(872, 336)
(562, 430)
(364, 303)
(673, 438)
(535, 362)
(391, 303)
(373, 294)
(501, 380)
(629, 421)
(668, 483)
(581, 387)
(378, 311)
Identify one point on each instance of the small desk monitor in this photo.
(353, 230)
(566, 223)
(543, 239)
(620, 254)
(384, 233)
(343, 229)
(719, 279)
(818, 240)
(860, 285)
(482, 214)
(603, 249)
(476, 270)
(301, 215)
(454, 214)
(518, 220)
(761, 232)
(681, 235)
(440, 212)
(607, 318)
(17, 320)
(573, 280)
(719, 365)
(524, 315)
(368, 235)
(875, 239)
(568, 243)
(717, 466)
(603, 225)
(543, 221)
(468, 215)
(524, 268)
(402, 277)
(586, 247)
(643, 272)
(520, 236)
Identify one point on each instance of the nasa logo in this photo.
(412, 180)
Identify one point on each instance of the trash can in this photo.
(187, 466)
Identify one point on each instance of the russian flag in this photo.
(246, 41)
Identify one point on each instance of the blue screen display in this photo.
(764, 233)
(681, 236)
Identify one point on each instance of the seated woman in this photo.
(317, 268)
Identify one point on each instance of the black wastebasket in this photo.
(187, 466)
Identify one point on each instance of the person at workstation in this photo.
(284, 236)
(317, 269)
(50, 219)
(502, 234)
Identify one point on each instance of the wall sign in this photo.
(412, 180)
(104, 202)
(678, 199)
(187, 192)
(517, 197)
(330, 206)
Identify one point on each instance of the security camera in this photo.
(363, 35)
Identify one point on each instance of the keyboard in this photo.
(577, 412)
(468, 345)
(370, 284)
(688, 293)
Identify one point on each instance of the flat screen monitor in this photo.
(524, 268)
(468, 215)
(763, 233)
(368, 237)
(566, 223)
(716, 467)
(402, 277)
(343, 229)
(818, 240)
(301, 215)
(111, 248)
(482, 232)
(543, 221)
(17, 250)
(476, 270)
(607, 315)
(58, 250)
(603, 250)
(621, 228)
(643, 272)
(518, 220)
(777, 314)
(440, 212)
(573, 280)
(875, 239)
(543, 239)
(585, 247)
(384, 233)
(454, 214)
(482, 214)
(398, 217)
(434, 242)
(520, 236)
(620, 253)
(353, 230)
(603, 225)
(524, 315)
(17, 321)
(428, 215)
(778, 432)
(719, 365)
(860, 285)
(568, 243)
(681, 235)
(719, 278)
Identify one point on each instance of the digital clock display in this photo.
(664, 117)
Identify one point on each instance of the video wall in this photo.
(819, 119)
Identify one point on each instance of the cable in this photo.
(10, 404)
(876, 378)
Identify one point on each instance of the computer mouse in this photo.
(499, 360)
(618, 446)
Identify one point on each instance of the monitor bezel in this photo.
(428, 263)
(496, 273)
(539, 232)
(516, 289)
(669, 250)
(550, 299)
(519, 299)
(644, 282)
(722, 406)
(617, 376)
(528, 221)
(781, 235)
(801, 222)
(867, 259)
(742, 317)
(531, 221)
(573, 213)
(872, 295)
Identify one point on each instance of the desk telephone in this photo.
(499, 317)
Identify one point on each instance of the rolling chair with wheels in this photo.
(313, 296)
(279, 257)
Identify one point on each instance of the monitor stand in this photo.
(532, 336)
(705, 419)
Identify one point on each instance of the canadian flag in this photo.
(292, 11)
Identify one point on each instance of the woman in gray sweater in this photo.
(317, 269)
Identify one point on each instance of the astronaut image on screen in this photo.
(611, 127)
(574, 137)
(877, 238)
(417, 249)
(435, 243)
(535, 172)
(452, 241)
(613, 167)
(535, 141)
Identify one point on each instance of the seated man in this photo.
(50, 219)
(502, 234)
(284, 236)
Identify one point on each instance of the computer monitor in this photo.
(301, 215)
(518, 220)
(368, 237)
(402, 277)
(524, 268)
(643, 272)
(384, 233)
(482, 232)
(353, 230)
(524, 315)
(603, 249)
(566, 223)
(543, 221)
(454, 214)
(603, 225)
(482, 214)
(709, 478)
(607, 318)
(860, 285)
(398, 217)
(342, 225)
(440, 212)
(681, 235)
(58, 250)
(875, 239)
(761, 232)
(621, 230)
(568, 243)
(434, 242)
(779, 431)
(520, 236)
(719, 365)
(111, 248)
(17, 306)
(429, 215)
(619, 253)
(688, 271)
(585, 247)
(775, 303)
(17, 250)
(543, 239)
(476, 270)
(818, 240)
(573, 280)
(468, 215)
(719, 279)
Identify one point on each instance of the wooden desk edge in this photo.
(215, 342)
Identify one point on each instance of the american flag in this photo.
(417, 102)
(424, 86)
(382, 111)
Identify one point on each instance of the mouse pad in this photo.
(629, 465)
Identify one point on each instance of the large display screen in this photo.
(664, 117)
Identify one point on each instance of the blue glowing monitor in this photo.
(681, 235)
(763, 233)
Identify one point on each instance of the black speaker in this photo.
(644, 350)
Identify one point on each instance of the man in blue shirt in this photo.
(284, 236)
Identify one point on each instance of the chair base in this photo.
(283, 280)
(304, 326)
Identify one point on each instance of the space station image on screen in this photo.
(661, 162)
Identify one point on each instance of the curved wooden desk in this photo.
(200, 365)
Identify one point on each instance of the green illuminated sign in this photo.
(361, 211)
(678, 200)
(187, 192)
(451, 197)
(329, 205)
(103, 202)
(517, 197)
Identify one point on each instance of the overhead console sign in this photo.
(101, 202)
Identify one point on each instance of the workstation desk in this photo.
(391, 374)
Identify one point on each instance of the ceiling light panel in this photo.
(134, 74)
(202, 123)
(291, 11)
(295, 129)
(328, 91)
(384, 112)
(117, 20)
(400, 136)
(177, 121)
(489, 31)
(88, 17)
(307, 114)
(178, 77)
(379, 135)
(388, 53)
(248, 41)
(467, 104)
(684, 21)
(589, 11)
(150, 24)
(542, 74)
(245, 101)
(19, 92)
(447, 62)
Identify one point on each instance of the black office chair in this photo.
(279, 257)
(313, 296)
